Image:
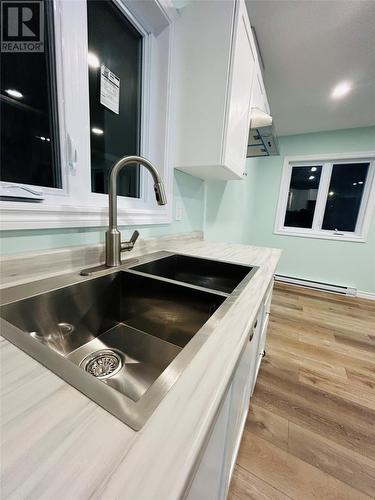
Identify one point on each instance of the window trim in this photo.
(68, 207)
(367, 204)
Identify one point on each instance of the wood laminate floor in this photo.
(310, 433)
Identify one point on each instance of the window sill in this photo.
(37, 216)
(321, 236)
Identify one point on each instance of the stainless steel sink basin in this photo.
(122, 337)
(212, 274)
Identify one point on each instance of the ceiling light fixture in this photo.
(14, 93)
(331, 193)
(354, 183)
(313, 169)
(97, 131)
(93, 60)
(312, 177)
(360, 182)
(341, 90)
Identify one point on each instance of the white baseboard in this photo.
(365, 295)
(326, 287)
(317, 285)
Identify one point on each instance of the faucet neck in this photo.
(112, 191)
(113, 245)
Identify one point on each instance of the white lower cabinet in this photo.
(261, 335)
(239, 406)
(214, 472)
(208, 480)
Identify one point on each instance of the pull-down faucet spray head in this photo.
(160, 193)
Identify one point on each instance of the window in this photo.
(115, 44)
(345, 195)
(59, 140)
(330, 199)
(303, 192)
(29, 132)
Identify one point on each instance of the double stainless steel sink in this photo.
(123, 336)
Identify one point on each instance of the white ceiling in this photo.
(308, 46)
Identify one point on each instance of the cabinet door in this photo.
(209, 479)
(239, 407)
(261, 334)
(239, 93)
(257, 330)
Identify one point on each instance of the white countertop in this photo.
(57, 443)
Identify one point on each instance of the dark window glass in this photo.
(29, 132)
(345, 196)
(303, 192)
(116, 44)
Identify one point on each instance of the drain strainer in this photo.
(102, 364)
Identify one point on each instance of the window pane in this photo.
(115, 43)
(344, 196)
(303, 192)
(29, 135)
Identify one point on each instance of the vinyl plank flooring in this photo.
(315, 316)
(361, 377)
(289, 474)
(344, 422)
(364, 395)
(313, 365)
(336, 353)
(310, 431)
(268, 426)
(346, 465)
(246, 486)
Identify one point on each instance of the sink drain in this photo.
(102, 364)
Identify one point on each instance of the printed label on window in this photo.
(109, 89)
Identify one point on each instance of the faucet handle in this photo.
(129, 245)
(134, 237)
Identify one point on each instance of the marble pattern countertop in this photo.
(57, 443)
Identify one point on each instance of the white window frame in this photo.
(326, 161)
(75, 205)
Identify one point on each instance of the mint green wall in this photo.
(244, 212)
(187, 189)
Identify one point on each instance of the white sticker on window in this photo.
(109, 89)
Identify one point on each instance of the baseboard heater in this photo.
(317, 285)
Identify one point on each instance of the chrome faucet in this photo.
(113, 244)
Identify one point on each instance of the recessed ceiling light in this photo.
(360, 182)
(97, 131)
(312, 177)
(14, 93)
(93, 60)
(331, 193)
(354, 183)
(341, 90)
(313, 169)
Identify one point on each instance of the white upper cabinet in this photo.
(215, 67)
